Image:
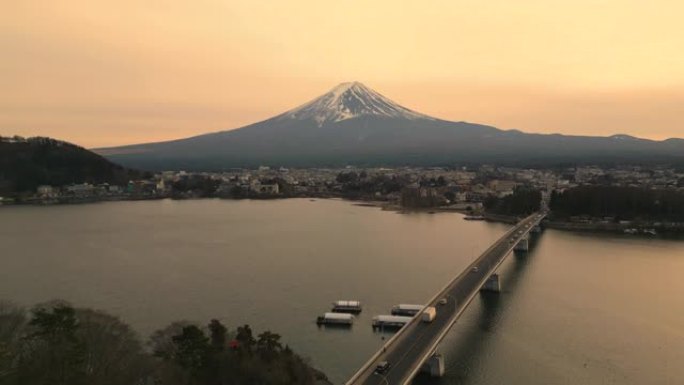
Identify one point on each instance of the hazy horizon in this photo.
(108, 74)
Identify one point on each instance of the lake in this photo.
(576, 309)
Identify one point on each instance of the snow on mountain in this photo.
(623, 137)
(347, 101)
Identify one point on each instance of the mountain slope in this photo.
(348, 101)
(27, 163)
(352, 124)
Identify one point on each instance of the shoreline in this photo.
(642, 229)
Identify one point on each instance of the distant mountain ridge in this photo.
(354, 125)
(28, 163)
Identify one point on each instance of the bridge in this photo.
(413, 346)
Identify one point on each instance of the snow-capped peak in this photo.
(347, 101)
(623, 137)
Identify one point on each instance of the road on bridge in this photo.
(416, 341)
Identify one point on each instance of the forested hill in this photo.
(28, 163)
(58, 344)
(619, 202)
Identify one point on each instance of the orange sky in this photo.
(102, 73)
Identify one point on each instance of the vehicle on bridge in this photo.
(382, 367)
(429, 314)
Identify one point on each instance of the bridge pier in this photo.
(492, 284)
(434, 366)
(523, 244)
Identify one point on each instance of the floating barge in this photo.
(353, 307)
(337, 319)
(390, 321)
(406, 309)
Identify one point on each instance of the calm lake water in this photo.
(578, 309)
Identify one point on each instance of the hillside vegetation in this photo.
(58, 344)
(619, 202)
(28, 163)
(524, 201)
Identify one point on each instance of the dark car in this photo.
(382, 367)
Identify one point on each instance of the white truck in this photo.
(429, 314)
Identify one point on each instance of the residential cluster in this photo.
(456, 188)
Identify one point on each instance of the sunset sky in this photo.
(102, 73)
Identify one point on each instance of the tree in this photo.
(54, 324)
(245, 337)
(192, 349)
(12, 322)
(347, 177)
(63, 345)
(66, 345)
(268, 344)
(523, 201)
(52, 353)
(217, 335)
(113, 353)
(161, 341)
(619, 202)
(237, 192)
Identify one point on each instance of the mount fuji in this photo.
(354, 125)
(349, 101)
